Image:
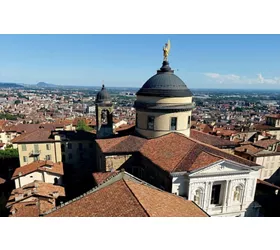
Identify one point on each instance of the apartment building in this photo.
(40, 144)
(265, 153)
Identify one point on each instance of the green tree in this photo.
(81, 125)
(8, 153)
(17, 102)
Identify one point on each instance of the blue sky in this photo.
(201, 61)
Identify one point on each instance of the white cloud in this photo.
(231, 78)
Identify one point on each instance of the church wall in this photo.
(188, 185)
(154, 99)
(162, 123)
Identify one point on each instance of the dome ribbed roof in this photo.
(165, 84)
(103, 95)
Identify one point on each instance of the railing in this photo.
(35, 152)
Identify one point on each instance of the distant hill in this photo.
(45, 85)
(10, 85)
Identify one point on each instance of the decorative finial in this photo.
(103, 86)
(166, 50)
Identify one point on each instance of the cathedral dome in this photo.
(165, 84)
(103, 96)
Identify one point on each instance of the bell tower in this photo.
(104, 114)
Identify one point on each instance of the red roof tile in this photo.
(122, 144)
(46, 166)
(211, 139)
(101, 177)
(265, 143)
(175, 152)
(124, 196)
(39, 135)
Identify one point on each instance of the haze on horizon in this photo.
(201, 61)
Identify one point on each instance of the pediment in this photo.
(221, 168)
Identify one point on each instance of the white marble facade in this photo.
(224, 188)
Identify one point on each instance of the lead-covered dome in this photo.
(103, 95)
(165, 84)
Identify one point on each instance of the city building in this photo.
(265, 152)
(38, 145)
(45, 171)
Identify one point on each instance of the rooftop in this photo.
(123, 195)
(47, 166)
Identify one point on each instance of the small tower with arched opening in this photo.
(104, 114)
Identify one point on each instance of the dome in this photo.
(165, 84)
(103, 95)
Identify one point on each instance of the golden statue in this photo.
(166, 50)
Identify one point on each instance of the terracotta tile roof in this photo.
(249, 149)
(39, 135)
(267, 184)
(101, 177)
(277, 116)
(122, 144)
(36, 188)
(47, 166)
(205, 128)
(25, 209)
(265, 143)
(125, 196)
(263, 127)
(175, 152)
(211, 139)
(28, 128)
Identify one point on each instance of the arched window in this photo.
(237, 193)
(198, 197)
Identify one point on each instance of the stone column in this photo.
(208, 194)
(244, 194)
(225, 198)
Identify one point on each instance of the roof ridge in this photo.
(183, 157)
(218, 149)
(96, 188)
(134, 195)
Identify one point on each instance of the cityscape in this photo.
(164, 149)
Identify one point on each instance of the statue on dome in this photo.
(166, 50)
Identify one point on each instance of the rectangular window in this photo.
(70, 156)
(150, 124)
(36, 158)
(189, 121)
(23, 147)
(24, 159)
(48, 146)
(48, 157)
(36, 148)
(173, 125)
(69, 145)
(80, 146)
(215, 196)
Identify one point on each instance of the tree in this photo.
(8, 153)
(17, 102)
(81, 125)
